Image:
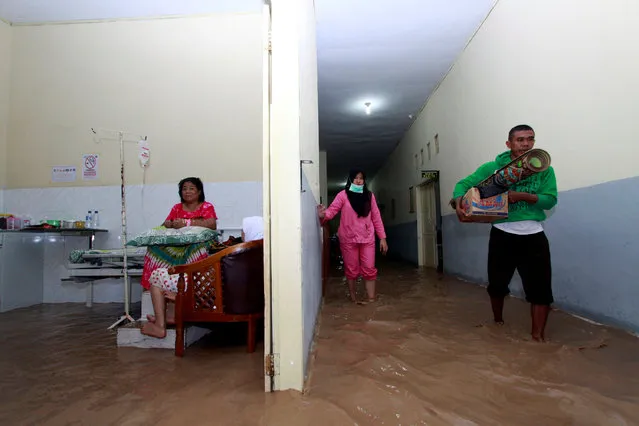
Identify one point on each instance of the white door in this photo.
(266, 191)
(427, 225)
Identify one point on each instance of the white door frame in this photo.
(421, 253)
(266, 189)
(430, 177)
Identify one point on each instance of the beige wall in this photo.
(193, 85)
(5, 73)
(309, 124)
(568, 68)
(285, 197)
(294, 238)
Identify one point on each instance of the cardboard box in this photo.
(487, 209)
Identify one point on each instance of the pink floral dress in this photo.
(159, 258)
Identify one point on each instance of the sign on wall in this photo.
(430, 176)
(90, 167)
(63, 173)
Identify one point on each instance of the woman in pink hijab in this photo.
(360, 221)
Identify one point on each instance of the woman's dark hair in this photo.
(198, 184)
(361, 203)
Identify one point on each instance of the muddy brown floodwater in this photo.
(424, 354)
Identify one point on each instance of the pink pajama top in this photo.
(353, 229)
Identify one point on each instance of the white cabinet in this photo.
(21, 269)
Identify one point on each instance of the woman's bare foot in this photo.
(538, 338)
(170, 318)
(153, 330)
(170, 314)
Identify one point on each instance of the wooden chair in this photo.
(225, 287)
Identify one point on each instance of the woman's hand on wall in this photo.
(383, 246)
(321, 211)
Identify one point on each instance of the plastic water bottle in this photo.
(96, 220)
(89, 220)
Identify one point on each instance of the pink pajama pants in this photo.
(359, 259)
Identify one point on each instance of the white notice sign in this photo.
(63, 173)
(90, 167)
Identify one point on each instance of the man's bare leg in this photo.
(539, 316)
(157, 328)
(497, 304)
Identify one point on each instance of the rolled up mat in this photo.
(522, 167)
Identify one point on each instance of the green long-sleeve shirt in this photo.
(543, 184)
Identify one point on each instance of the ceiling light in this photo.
(368, 108)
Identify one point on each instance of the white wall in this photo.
(192, 85)
(147, 207)
(5, 75)
(568, 68)
(285, 201)
(295, 230)
(309, 148)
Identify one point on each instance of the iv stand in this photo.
(125, 268)
(127, 283)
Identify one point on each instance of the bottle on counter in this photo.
(96, 220)
(89, 220)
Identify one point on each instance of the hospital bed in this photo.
(90, 265)
(87, 266)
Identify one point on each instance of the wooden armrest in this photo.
(214, 259)
(206, 275)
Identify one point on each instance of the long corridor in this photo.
(424, 354)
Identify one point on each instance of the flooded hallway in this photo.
(432, 146)
(425, 354)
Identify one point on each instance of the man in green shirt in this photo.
(518, 242)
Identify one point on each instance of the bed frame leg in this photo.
(89, 302)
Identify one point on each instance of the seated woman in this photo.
(164, 285)
(193, 210)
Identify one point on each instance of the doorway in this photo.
(429, 229)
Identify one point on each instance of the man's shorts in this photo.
(529, 255)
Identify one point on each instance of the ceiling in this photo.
(40, 11)
(389, 53)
